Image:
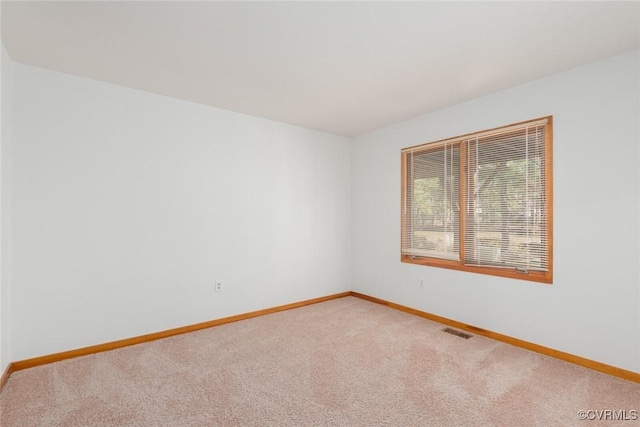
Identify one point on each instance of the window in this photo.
(481, 202)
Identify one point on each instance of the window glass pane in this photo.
(506, 201)
(434, 197)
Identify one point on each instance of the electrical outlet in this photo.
(218, 286)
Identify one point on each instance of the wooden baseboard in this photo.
(591, 364)
(567, 357)
(51, 358)
(5, 375)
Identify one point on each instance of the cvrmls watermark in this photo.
(608, 414)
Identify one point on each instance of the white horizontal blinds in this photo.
(506, 217)
(432, 202)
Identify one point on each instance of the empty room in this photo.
(319, 213)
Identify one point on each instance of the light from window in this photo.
(481, 202)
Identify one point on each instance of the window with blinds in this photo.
(481, 202)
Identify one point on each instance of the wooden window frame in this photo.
(535, 276)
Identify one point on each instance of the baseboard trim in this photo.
(85, 351)
(567, 357)
(5, 375)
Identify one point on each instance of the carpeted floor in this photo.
(345, 362)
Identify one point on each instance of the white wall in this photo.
(593, 307)
(127, 206)
(5, 212)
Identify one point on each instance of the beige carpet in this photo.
(345, 362)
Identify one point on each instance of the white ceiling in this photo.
(339, 67)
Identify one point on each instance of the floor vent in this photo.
(457, 333)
